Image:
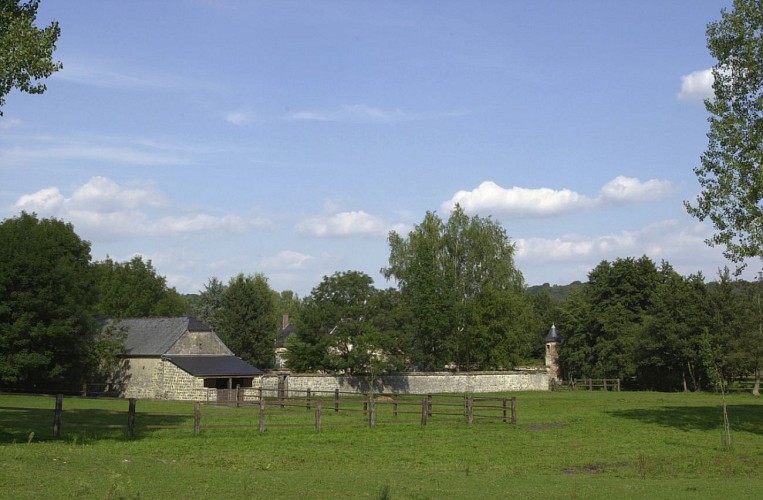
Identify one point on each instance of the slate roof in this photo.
(155, 336)
(552, 335)
(214, 366)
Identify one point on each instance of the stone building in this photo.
(176, 358)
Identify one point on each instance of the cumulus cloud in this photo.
(366, 114)
(335, 223)
(238, 117)
(696, 86)
(680, 243)
(541, 202)
(105, 209)
(287, 259)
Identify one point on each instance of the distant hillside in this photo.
(557, 292)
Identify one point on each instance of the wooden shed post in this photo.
(57, 415)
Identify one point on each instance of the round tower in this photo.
(552, 355)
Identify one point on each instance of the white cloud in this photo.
(287, 259)
(8, 123)
(105, 209)
(356, 223)
(696, 86)
(681, 244)
(360, 113)
(525, 202)
(623, 189)
(239, 117)
(98, 149)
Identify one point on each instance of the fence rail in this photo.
(307, 410)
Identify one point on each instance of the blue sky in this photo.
(289, 137)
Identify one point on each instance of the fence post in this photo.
(318, 415)
(504, 409)
(239, 395)
(618, 385)
(131, 418)
(336, 400)
(429, 405)
(514, 410)
(365, 404)
(424, 408)
(394, 404)
(466, 403)
(262, 415)
(57, 415)
(308, 398)
(605, 384)
(470, 411)
(197, 418)
(371, 411)
(590, 384)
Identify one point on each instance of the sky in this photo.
(218, 137)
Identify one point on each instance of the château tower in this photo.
(552, 355)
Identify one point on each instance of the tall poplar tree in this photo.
(731, 170)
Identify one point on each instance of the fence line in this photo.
(392, 408)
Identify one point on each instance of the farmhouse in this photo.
(175, 358)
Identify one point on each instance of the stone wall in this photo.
(199, 343)
(140, 377)
(413, 383)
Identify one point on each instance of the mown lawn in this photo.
(564, 445)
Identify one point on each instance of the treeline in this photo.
(660, 330)
(459, 303)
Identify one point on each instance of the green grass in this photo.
(565, 445)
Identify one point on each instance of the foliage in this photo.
(346, 326)
(730, 172)
(207, 306)
(26, 52)
(134, 289)
(247, 319)
(605, 327)
(47, 293)
(450, 274)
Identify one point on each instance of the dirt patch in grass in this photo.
(584, 469)
(545, 427)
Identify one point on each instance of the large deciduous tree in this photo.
(347, 326)
(134, 289)
(26, 52)
(247, 319)
(731, 170)
(465, 295)
(47, 293)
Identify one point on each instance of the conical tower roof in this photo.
(552, 335)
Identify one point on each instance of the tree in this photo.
(731, 170)
(247, 319)
(134, 289)
(207, 306)
(47, 294)
(26, 52)
(347, 326)
(449, 275)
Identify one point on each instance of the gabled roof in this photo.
(214, 366)
(155, 336)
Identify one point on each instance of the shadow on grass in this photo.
(36, 424)
(745, 418)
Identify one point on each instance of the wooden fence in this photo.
(590, 384)
(308, 409)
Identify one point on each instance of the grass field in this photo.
(565, 445)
